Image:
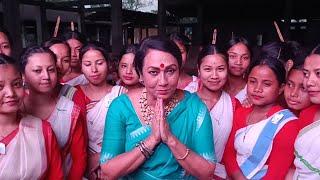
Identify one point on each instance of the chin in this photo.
(237, 74)
(215, 88)
(10, 110)
(315, 100)
(95, 82)
(294, 107)
(45, 90)
(257, 103)
(73, 65)
(165, 96)
(129, 83)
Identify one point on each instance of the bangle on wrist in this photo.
(143, 152)
(185, 155)
(149, 151)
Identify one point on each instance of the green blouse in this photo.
(189, 121)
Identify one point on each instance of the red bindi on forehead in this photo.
(161, 65)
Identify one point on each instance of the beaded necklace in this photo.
(148, 113)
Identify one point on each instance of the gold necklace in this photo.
(249, 122)
(148, 113)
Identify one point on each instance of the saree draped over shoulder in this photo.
(96, 117)
(242, 95)
(222, 117)
(307, 152)
(25, 156)
(189, 121)
(63, 122)
(254, 142)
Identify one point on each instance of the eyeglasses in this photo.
(234, 56)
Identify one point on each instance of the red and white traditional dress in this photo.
(222, 117)
(30, 152)
(68, 124)
(96, 117)
(246, 148)
(307, 146)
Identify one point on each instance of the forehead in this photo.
(262, 72)
(127, 58)
(156, 57)
(74, 43)
(214, 60)
(56, 48)
(92, 54)
(8, 72)
(296, 75)
(3, 37)
(41, 59)
(312, 62)
(239, 48)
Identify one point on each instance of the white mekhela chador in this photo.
(193, 85)
(307, 152)
(222, 117)
(25, 156)
(254, 142)
(242, 95)
(96, 117)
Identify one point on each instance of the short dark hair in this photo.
(210, 49)
(28, 52)
(274, 64)
(157, 43)
(93, 45)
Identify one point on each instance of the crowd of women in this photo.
(244, 116)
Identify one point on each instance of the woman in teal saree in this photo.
(158, 132)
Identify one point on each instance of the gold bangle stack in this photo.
(185, 155)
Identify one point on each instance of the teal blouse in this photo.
(189, 121)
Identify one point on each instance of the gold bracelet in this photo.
(185, 155)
